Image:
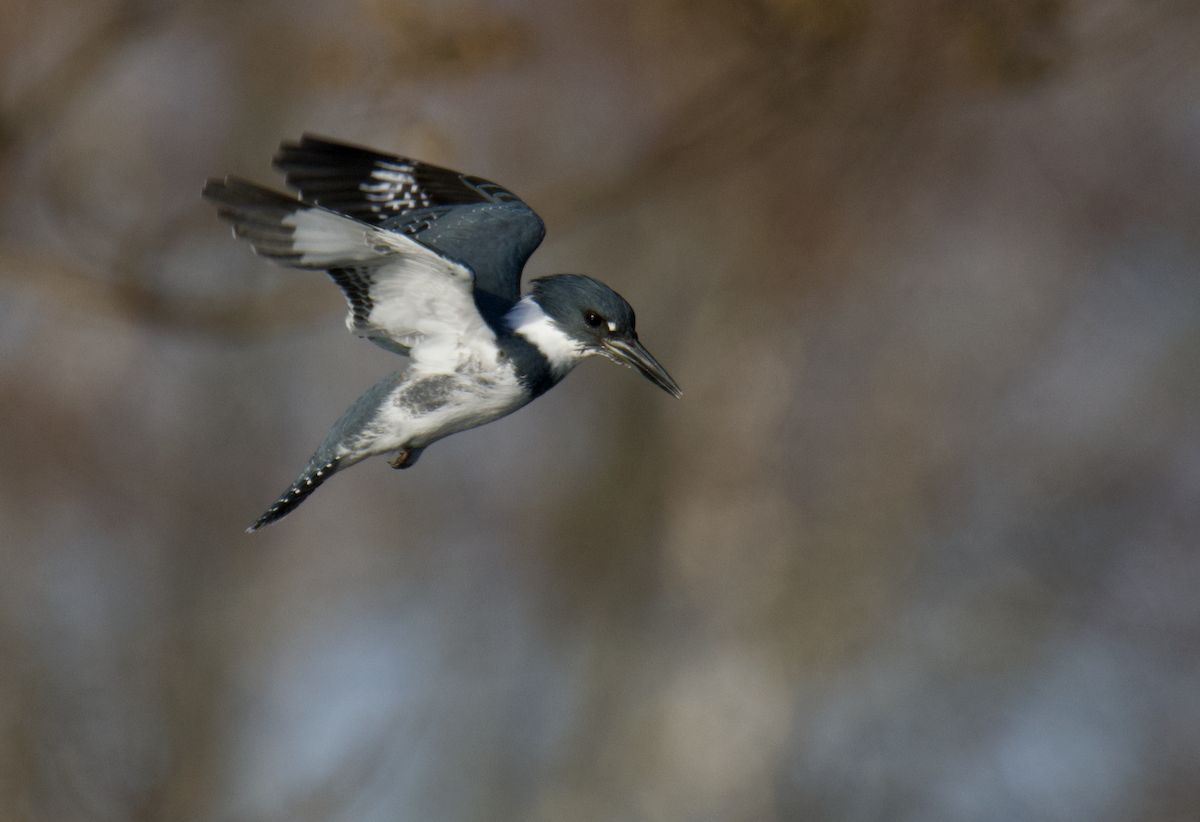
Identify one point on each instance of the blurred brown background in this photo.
(919, 542)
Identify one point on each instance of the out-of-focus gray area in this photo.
(920, 542)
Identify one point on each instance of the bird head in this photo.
(599, 321)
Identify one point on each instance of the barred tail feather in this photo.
(307, 482)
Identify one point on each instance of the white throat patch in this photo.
(527, 319)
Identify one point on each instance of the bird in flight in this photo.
(430, 262)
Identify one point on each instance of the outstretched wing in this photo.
(402, 294)
(468, 219)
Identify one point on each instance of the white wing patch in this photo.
(397, 287)
(432, 313)
(323, 239)
(326, 239)
(417, 297)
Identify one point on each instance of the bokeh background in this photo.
(920, 542)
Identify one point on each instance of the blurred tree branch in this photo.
(44, 103)
(127, 296)
(122, 289)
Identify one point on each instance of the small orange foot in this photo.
(402, 459)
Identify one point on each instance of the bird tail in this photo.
(316, 473)
(349, 441)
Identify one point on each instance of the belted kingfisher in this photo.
(430, 262)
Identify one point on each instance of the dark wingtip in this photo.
(213, 188)
(240, 193)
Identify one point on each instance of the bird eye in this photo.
(592, 318)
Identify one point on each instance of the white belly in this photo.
(426, 407)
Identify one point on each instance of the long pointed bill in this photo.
(634, 353)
